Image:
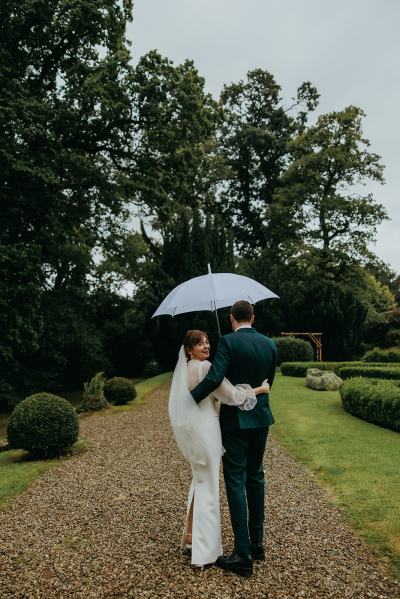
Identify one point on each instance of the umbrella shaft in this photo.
(216, 316)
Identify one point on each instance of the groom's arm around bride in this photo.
(244, 356)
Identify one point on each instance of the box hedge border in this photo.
(372, 372)
(373, 400)
(299, 369)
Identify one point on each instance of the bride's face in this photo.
(201, 351)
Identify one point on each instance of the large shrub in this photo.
(382, 355)
(373, 400)
(93, 393)
(374, 372)
(300, 368)
(292, 349)
(43, 424)
(119, 390)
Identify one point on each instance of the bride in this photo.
(198, 435)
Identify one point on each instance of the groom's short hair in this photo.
(242, 311)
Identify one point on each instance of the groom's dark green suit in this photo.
(245, 356)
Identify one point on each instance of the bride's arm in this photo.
(195, 373)
(241, 395)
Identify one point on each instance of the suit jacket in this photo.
(245, 356)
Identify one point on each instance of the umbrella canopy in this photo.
(212, 291)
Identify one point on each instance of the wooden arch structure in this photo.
(316, 338)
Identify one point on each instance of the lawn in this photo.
(17, 471)
(357, 461)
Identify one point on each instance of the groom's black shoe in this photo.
(238, 563)
(258, 552)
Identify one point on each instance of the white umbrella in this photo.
(212, 291)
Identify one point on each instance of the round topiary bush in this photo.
(43, 424)
(119, 390)
(292, 349)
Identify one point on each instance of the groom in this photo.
(244, 356)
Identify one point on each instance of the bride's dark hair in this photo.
(192, 338)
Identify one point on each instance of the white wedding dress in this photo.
(199, 437)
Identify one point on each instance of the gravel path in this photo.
(107, 524)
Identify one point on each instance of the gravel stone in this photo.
(107, 524)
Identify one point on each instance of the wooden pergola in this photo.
(316, 338)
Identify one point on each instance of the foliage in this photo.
(21, 318)
(373, 400)
(382, 355)
(151, 369)
(329, 162)
(293, 349)
(43, 424)
(93, 393)
(373, 372)
(376, 296)
(254, 139)
(119, 390)
(299, 369)
(64, 118)
(174, 121)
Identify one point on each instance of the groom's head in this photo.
(242, 313)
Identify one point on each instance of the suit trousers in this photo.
(244, 482)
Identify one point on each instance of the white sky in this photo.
(349, 49)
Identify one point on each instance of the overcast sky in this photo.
(349, 49)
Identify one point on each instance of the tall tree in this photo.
(322, 189)
(174, 121)
(64, 106)
(253, 141)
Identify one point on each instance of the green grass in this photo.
(18, 470)
(358, 462)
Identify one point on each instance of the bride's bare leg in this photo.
(190, 524)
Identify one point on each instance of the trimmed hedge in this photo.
(43, 424)
(292, 349)
(300, 368)
(374, 400)
(372, 372)
(119, 390)
(382, 355)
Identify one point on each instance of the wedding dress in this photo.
(198, 434)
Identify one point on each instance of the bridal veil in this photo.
(184, 414)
